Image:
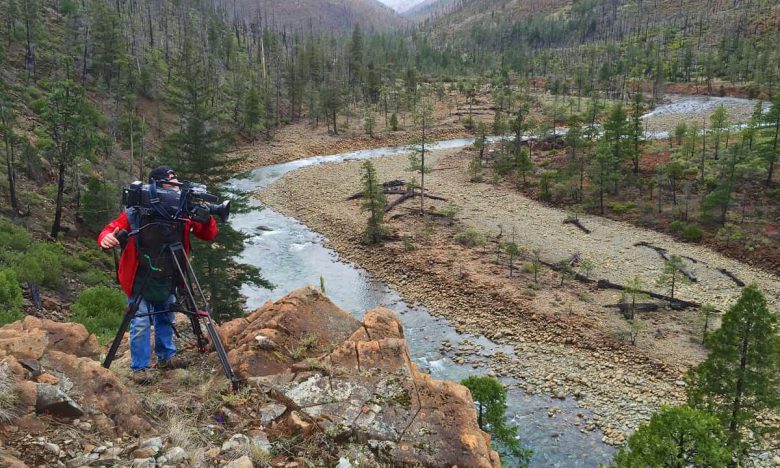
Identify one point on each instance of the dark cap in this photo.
(161, 173)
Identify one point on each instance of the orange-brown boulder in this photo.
(300, 325)
(358, 383)
(48, 358)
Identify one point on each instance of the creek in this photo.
(290, 256)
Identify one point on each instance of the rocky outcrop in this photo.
(57, 374)
(354, 382)
(345, 391)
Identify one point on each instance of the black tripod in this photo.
(191, 287)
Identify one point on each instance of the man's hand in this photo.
(110, 241)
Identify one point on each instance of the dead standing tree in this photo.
(423, 117)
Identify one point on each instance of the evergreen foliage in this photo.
(740, 377)
(672, 276)
(490, 397)
(70, 123)
(100, 310)
(374, 202)
(676, 437)
(10, 297)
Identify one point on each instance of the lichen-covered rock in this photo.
(357, 383)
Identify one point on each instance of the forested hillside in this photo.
(614, 45)
(319, 15)
(428, 8)
(93, 94)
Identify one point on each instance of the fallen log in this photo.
(733, 277)
(393, 183)
(639, 306)
(399, 200)
(577, 223)
(666, 256)
(677, 304)
(394, 191)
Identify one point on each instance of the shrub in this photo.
(49, 191)
(692, 233)
(75, 264)
(621, 208)
(676, 225)
(545, 184)
(100, 310)
(28, 269)
(13, 237)
(394, 122)
(99, 203)
(10, 297)
(470, 238)
(49, 258)
(94, 278)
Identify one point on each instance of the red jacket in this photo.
(128, 264)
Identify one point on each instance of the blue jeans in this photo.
(140, 339)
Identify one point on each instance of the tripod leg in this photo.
(131, 310)
(188, 277)
(234, 382)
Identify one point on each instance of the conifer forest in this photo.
(568, 211)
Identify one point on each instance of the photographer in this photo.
(139, 275)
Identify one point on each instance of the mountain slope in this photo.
(617, 41)
(562, 22)
(428, 8)
(323, 15)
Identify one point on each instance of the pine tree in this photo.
(676, 437)
(672, 275)
(740, 377)
(7, 121)
(196, 147)
(106, 41)
(615, 139)
(374, 202)
(771, 147)
(636, 132)
(254, 112)
(490, 397)
(719, 123)
(70, 123)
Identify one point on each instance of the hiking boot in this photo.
(142, 377)
(173, 363)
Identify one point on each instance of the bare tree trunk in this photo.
(55, 227)
(9, 161)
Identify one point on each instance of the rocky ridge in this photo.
(320, 387)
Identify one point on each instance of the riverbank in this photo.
(298, 141)
(565, 338)
(562, 336)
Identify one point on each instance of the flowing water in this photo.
(291, 256)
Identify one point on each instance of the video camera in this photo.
(191, 201)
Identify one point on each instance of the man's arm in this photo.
(107, 238)
(205, 231)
